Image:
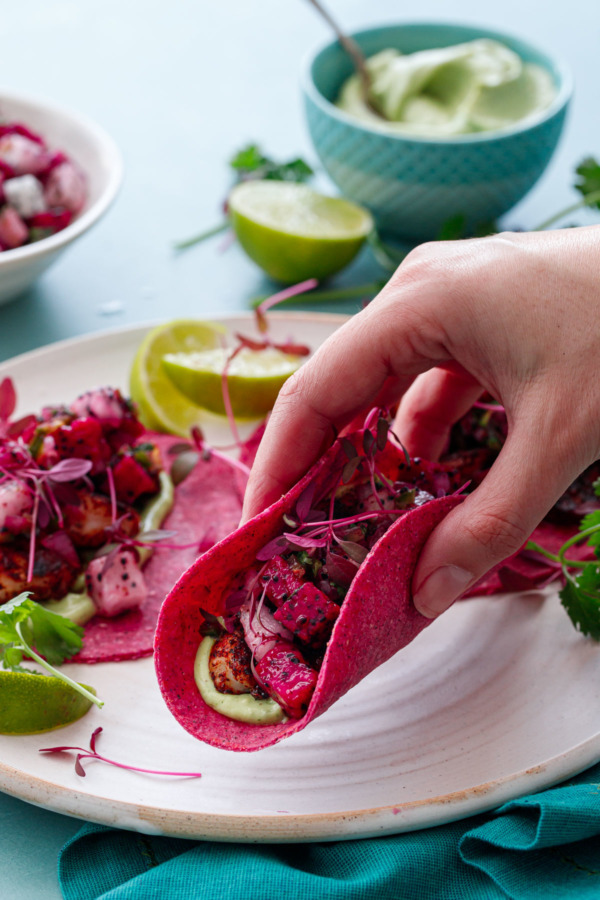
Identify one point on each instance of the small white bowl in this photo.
(96, 154)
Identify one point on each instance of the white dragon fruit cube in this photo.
(118, 586)
(25, 194)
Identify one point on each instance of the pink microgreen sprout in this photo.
(83, 753)
(8, 404)
(279, 297)
(43, 484)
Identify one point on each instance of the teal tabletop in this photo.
(180, 87)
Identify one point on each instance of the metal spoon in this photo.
(356, 55)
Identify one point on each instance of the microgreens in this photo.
(45, 485)
(8, 404)
(312, 529)
(256, 345)
(84, 753)
(25, 625)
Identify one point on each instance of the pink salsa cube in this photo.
(282, 579)
(309, 614)
(287, 678)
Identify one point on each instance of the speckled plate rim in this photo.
(296, 828)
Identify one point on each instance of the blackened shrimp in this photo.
(87, 522)
(229, 665)
(52, 576)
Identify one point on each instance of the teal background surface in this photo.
(180, 87)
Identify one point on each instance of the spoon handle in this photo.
(353, 51)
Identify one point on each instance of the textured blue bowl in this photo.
(413, 185)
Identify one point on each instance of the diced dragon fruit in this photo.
(282, 579)
(50, 221)
(132, 479)
(309, 614)
(24, 156)
(66, 187)
(25, 194)
(13, 230)
(83, 439)
(262, 630)
(118, 586)
(15, 500)
(287, 678)
(113, 411)
(19, 128)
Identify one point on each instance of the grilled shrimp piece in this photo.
(52, 576)
(86, 523)
(229, 665)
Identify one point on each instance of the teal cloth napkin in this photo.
(546, 845)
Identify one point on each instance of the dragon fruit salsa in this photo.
(259, 663)
(41, 189)
(78, 493)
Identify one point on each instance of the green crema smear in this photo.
(77, 605)
(243, 707)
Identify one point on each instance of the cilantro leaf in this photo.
(54, 637)
(592, 520)
(27, 629)
(248, 159)
(588, 181)
(581, 599)
(251, 163)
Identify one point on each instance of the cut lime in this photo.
(254, 378)
(161, 406)
(30, 704)
(294, 233)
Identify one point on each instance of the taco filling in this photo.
(270, 600)
(91, 522)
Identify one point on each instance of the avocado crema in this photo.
(243, 707)
(77, 605)
(477, 86)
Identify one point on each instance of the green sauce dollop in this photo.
(243, 707)
(477, 86)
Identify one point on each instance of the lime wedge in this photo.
(254, 378)
(161, 406)
(294, 233)
(30, 704)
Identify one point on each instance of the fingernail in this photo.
(440, 590)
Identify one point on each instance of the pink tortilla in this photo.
(377, 617)
(208, 505)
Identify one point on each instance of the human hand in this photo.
(517, 315)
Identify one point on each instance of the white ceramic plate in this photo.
(498, 698)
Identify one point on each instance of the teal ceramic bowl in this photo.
(413, 185)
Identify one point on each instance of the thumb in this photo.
(525, 481)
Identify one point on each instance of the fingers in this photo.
(530, 474)
(434, 402)
(372, 356)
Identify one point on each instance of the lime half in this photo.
(30, 704)
(161, 406)
(254, 378)
(294, 233)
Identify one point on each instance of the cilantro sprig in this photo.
(251, 164)
(580, 595)
(29, 630)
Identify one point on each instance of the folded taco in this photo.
(281, 618)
